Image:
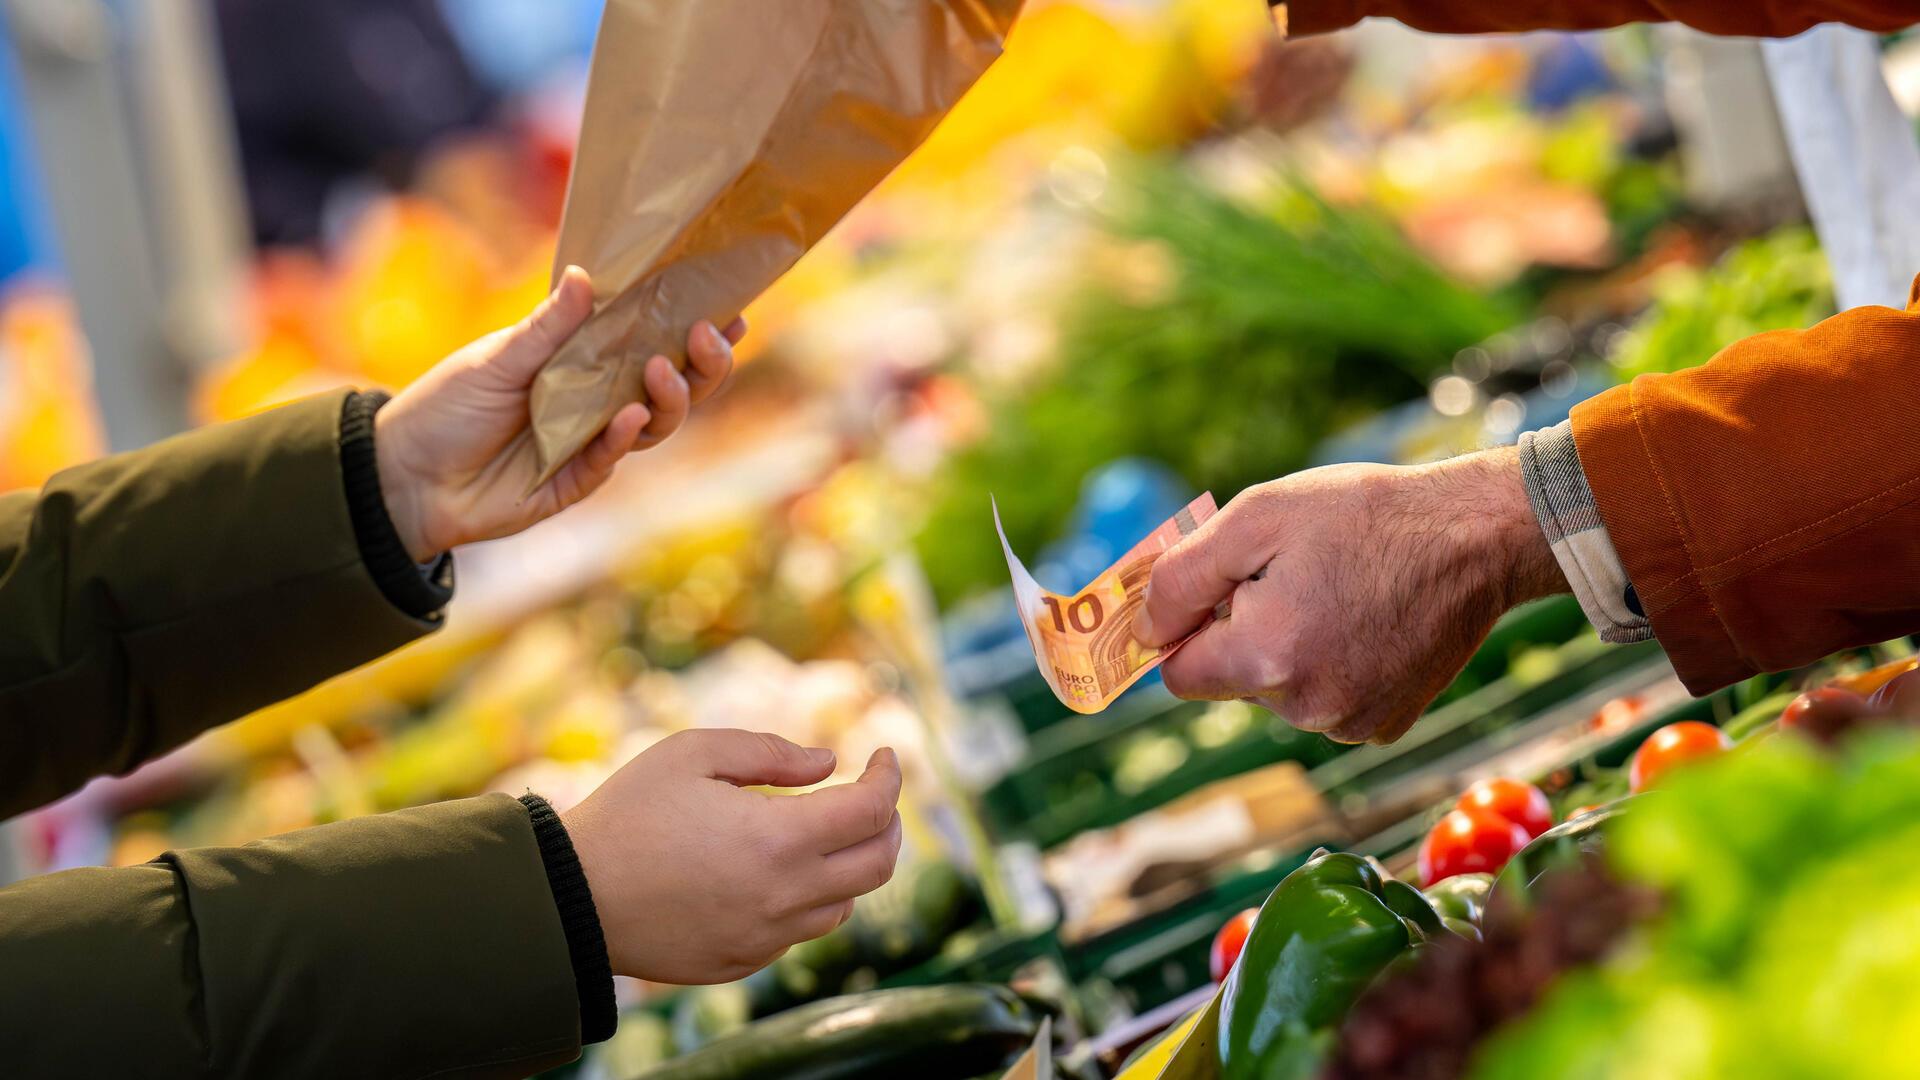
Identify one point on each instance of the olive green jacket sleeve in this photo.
(418, 943)
(145, 598)
(149, 596)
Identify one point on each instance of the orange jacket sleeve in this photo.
(1759, 18)
(1766, 505)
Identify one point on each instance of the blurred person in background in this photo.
(1752, 514)
(327, 94)
(149, 596)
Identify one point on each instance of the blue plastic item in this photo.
(26, 234)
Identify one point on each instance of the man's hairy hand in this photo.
(1357, 592)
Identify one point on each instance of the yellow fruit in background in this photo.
(48, 418)
(412, 286)
(282, 368)
(514, 293)
(1064, 65)
(1226, 39)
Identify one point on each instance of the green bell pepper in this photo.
(1322, 936)
(1563, 845)
(1462, 896)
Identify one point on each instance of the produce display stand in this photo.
(1163, 956)
(1066, 786)
(1383, 797)
(1065, 783)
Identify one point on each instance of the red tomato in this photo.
(1516, 800)
(1228, 943)
(1898, 697)
(1468, 842)
(1618, 715)
(1826, 713)
(1670, 746)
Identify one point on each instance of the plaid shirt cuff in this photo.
(1550, 467)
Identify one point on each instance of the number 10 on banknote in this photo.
(1084, 643)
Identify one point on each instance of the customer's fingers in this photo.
(864, 867)
(845, 814)
(709, 361)
(622, 432)
(821, 921)
(669, 398)
(751, 758)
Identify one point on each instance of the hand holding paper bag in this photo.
(722, 139)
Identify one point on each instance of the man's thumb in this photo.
(1194, 577)
(750, 758)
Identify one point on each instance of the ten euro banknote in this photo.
(1085, 643)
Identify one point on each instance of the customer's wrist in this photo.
(404, 490)
(389, 561)
(579, 918)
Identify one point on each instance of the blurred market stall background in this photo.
(1156, 251)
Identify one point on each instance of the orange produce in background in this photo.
(412, 284)
(411, 288)
(1228, 943)
(48, 418)
(1867, 682)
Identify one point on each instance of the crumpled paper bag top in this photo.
(721, 140)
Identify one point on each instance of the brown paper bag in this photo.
(721, 140)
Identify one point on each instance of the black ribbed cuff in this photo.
(586, 945)
(421, 593)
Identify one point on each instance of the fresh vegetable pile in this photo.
(1425, 1023)
(1334, 927)
(1777, 281)
(1733, 922)
(1787, 946)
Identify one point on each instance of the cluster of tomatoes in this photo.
(1488, 825)
(1495, 818)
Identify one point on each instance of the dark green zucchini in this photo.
(923, 1032)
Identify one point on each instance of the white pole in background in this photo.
(197, 204)
(1858, 162)
(68, 62)
(128, 111)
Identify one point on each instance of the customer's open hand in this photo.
(1358, 591)
(455, 448)
(698, 880)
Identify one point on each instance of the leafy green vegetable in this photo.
(1789, 945)
(1774, 282)
(1226, 341)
